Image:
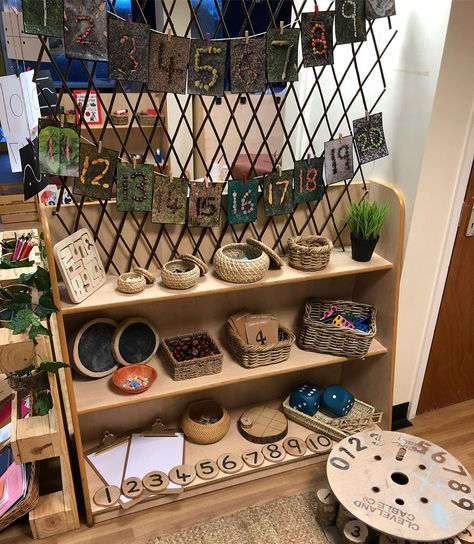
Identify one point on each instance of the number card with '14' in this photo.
(282, 54)
(242, 201)
(85, 29)
(309, 185)
(246, 61)
(45, 18)
(278, 193)
(134, 187)
(316, 38)
(338, 159)
(170, 196)
(96, 172)
(207, 67)
(128, 51)
(204, 204)
(370, 138)
(168, 63)
(350, 21)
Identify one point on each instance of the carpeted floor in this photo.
(284, 521)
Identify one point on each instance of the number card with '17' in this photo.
(45, 18)
(96, 172)
(370, 138)
(85, 29)
(339, 159)
(278, 193)
(246, 61)
(134, 187)
(316, 38)
(128, 51)
(170, 197)
(168, 63)
(207, 67)
(242, 201)
(204, 204)
(350, 21)
(309, 185)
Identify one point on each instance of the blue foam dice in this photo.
(306, 398)
(337, 400)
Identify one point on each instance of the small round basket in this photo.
(182, 273)
(241, 263)
(205, 422)
(131, 282)
(309, 252)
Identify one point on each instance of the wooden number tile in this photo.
(355, 532)
(230, 463)
(207, 469)
(182, 474)
(155, 481)
(295, 446)
(132, 487)
(319, 443)
(327, 507)
(107, 496)
(467, 536)
(253, 458)
(273, 453)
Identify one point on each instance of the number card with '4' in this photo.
(170, 197)
(45, 18)
(96, 172)
(278, 193)
(247, 57)
(134, 187)
(350, 21)
(207, 67)
(204, 204)
(316, 38)
(242, 201)
(339, 159)
(309, 185)
(128, 51)
(168, 63)
(370, 138)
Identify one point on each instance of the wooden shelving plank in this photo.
(109, 297)
(97, 395)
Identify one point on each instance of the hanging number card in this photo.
(282, 54)
(169, 58)
(207, 67)
(204, 204)
(370, 138)
(242, 201)
(47, 97)
(339, 159)
(309, 185)
(85, 29)
(43, 17)
(374, 9)
(350, 21)
(96, 172)
(128, 50)
(247, 59)
(59, 148)
(278, 193)
(170, 197)
(33, 180)
(134, 187)
(316, 38)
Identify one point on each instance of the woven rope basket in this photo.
(131, 282)
(180, 274)
(241, 263)
(24, 506)
(251, 356)
(328, 338)
(309, 252)
(28, 382)
(200, 433)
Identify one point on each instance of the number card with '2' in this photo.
(134, 187)
(338, 157)
(278, 193)
(96, 172)
(370, 138)
(170, 196)
(128, 51)
(242, 201)
(309, 185)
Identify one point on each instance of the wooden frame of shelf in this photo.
(96, 407)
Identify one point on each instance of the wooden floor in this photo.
(451, 427)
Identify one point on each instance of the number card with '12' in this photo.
(128, 51)
(204, 204)
(278, 193)
(350, 21)
(309, 185)
(207, 67)
(134, 187)
(316, 38)
(96, 172)
(370, 138)
(242, 201)
(246, 61)
(168, 63)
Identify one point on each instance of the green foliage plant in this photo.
(366, 219)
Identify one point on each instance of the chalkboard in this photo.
(135, 341)
(92, 353)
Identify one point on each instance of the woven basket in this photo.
(323, 423)
(309, 252)
(147, 120)
(251, 356)
(28, 382)
(193, 368)
(119, 119)
(327, 338)
(201, 433)
(131, 282)
(183, 273)
(27, 504)
(241, 263)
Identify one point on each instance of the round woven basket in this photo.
(27, 383)
(131, 282)
(241, 263)
(205, 433)
(180, 274)
(309, 252)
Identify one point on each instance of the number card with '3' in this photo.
(128, 51)
(369, 138)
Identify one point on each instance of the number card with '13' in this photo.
(370, 138)
(309, 185)
(134, 187)
(278, 193)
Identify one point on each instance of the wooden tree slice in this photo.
(263, 425)
(132, 487)
(107, 496)
(253, 458)
(274, 453)
(295, 446)
(182, 474)
(230, 463)
(207, 469)
(135, 341)
(155, 481)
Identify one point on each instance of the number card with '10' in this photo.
(242, 201)
(128, 51)
(309, 185)
(278, 193)
(370, 138)
(96, 172)
(316, 38)
(134, 187)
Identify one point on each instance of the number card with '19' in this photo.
(128, 51)
(370, 138)
(246, 61)
(207, 67)
(134, 187)
(278, 193)
(309, 185)
(339, 159)
(242, 200)
(96, 172)
(170, 197)
(316, 38)
(204, 204)
(350, 21)
(168, 63)
(85, 29)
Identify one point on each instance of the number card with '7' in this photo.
(242, 201)
(370, 138)
(309, 185)
(96, 172)
(128, 51)
(204, 204)
(316, 38)
(278, 193)
(170, 197)
(134, 187)
(282, 54)
(338, 158)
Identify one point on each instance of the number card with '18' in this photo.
(242, 200)
(278, 193)
(309, 185)
(316, 38)
(134, 187)
(370, 138)
(128, 51)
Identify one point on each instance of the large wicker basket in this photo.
(322, 422)
(24, 506)
(208, 433)
(241, 263)
(328, 338)
(309, 252)
(251, 356)
(193, 368)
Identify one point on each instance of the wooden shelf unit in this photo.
(95, 406)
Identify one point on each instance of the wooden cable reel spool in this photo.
(135, 341)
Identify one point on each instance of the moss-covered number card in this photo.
(309, 184)
(316, 38)
(282, 54)
(85, 29)
(278, 193)
(45, 18)
(168, 64)
(370, 138)
(242, 201)
(339, 159)
(170, 197)
(96, 172)
(207, 67)
(58, 148)
(350, 21)
(134, 187)
(374, 9)
(128, 50)
(204, 204)
(247, 59)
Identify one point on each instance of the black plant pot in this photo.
(362, 250)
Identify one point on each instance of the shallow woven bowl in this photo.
(200, 433)
(241, 263)
(186, 278)
(131, 282)
(121, 375)
(309, 252)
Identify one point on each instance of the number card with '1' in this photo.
(85, 29)
(242, 201)
(339, 159)
(134, 187)
(247, 59)
(170, 197)
(168, 63)
(96, 172)
(309, 185)
(207, 67)
(350, 21)
(370, 138)
(316, 38)
(128, 51)
(45, 18)
(204, 204)
(278, 193)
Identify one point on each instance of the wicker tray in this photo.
(119, 119)
(251, 356)
(323, 423)
(27, 504)
(328, 338)
(241, 263)
(309, 252)
(147, 120)
(193, 368)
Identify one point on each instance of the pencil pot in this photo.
(205, 422)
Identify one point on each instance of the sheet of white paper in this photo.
(14, 143)
(30, 96)
(5, 432)
(12, 107)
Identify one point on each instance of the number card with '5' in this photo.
(309, 185)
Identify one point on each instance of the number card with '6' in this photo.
(350, 21)
(339, 159)
(316, 38)
(170, 197)
(242, 201)
(128, 51)
(45, 18)
(207, 67)
(309, 185)
(370, 138)
(278, 193)
(168, 63)
(247, 59)
(134, 187)
(96, 172)
(85, 29)
(204, 204)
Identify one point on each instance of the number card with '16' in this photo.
(134, 187)
(242, 201)
(316, 38)
(207, 67)
(45, 18)
(96, 172)
(278, 193)
(168, 64)
(339, 159)
(350, 21)
(246, 61)
(85, 29)
(370, 138)
(309, 185)
(170, 197)
(128, 50)
(282, 54)
(204, 204)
